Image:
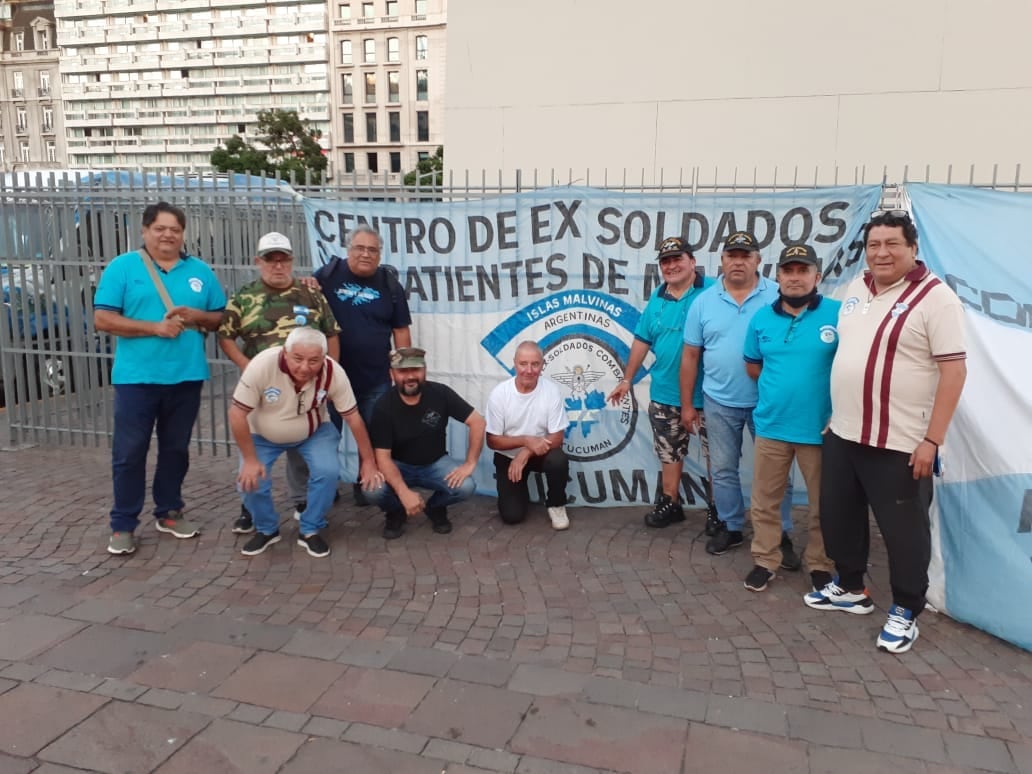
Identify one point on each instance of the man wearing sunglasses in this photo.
(261, 315)
(895, 384)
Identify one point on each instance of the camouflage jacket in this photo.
(262, 317)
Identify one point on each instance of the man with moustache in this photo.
(370, 307)
(716, 324)
(895, 384)
(661, 330)
(526, 419)
(409, 436)
(789, 347)
(261, 315)
(159, 368)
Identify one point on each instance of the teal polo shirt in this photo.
(717, 324)
(794, 403)
(661, 327)
(126, 287)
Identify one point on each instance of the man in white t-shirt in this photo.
(526, 421)
(280, 404)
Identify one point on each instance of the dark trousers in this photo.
(139, 409)
(514, 498)
(855, 477)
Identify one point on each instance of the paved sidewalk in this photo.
(607, 648)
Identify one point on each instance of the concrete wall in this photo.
(667, 85)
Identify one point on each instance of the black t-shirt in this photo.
(416, 435)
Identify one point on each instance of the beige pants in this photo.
(771, 468)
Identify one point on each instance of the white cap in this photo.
(274, 242)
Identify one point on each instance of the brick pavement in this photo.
(494, 649)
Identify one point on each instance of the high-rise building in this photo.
(160, 83)
(388, 64)
(31, 128)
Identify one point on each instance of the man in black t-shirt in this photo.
(409, 434)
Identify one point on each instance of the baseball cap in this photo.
(408, 357)
(274, 242)
(672, 246)
(742, 240)
(799, 254)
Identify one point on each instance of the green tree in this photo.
(429, 172)
(286, 144)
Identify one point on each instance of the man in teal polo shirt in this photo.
(788, 349)
(159, 368)
(717, 323)
(661, 329)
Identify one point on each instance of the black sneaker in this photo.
(723, 541)
(244, 525)
(314, 545)
(666, 512)
(789, 558)
(394, 526)
(819, 579)
(758, 579)
(259, 543)
(439, 521)
(713, 522)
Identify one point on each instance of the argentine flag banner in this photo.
(981, 571)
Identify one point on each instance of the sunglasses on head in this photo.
(891, 214)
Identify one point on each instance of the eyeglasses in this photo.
(891, 214)
(362, 250)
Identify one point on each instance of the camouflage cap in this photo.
(408, 357)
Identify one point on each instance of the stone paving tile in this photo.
(978, 752)
(423, 661)
(531, 765)
(327, 727)
(23, 636)
(12, 596)
(480, 669)
(906, 741)
(35, 715)
(378, 696)
(198, 667)
(391, 738)
(289, 683)
(228, 630)
(227, 747)
(323, 755)
(596, 735)
(12, 765)
(470, 713)
(104, 650)
(369, 653)
(837, 760)
(546, 681)
(316, 644)
(99, 742)
(73, 681)
(98, 610)
(714, 749)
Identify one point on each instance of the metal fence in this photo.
(58, 229)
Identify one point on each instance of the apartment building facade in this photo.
(388, 63)
(159, 83)
(31, 122)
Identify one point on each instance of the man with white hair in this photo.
(280, 404)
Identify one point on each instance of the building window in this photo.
(392, 7)
(347, 88)
(423, 156)
(420, 6)
(18, 44)
(422, 85)
(393, 87)
(44, 83)
(370, 88)
(370, 127)
(369, 51)
(422, 126)
(394, 121)
(345, 52)
(344, 11)
(368, 12)
(19, 84)
(51, 151)
(393, 50)
(349, 128)
(21, 119)
(3, 154)
(23, 150)
(373, 162)
(395, 162)
(349, 162)
(48, 119)
(421, 46)
(43, 39)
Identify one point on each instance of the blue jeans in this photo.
(424, 477)
(319, 451)
(725, 427)
(139, 408)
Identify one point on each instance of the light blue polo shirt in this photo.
(661, 326)
(718, 325)
(126, 287)
(795, 383)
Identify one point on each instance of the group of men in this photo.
(859, 394)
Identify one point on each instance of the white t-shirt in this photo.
(538, 413)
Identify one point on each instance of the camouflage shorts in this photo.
(669, 436)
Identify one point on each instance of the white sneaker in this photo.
(558, 516)
(899, 632)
